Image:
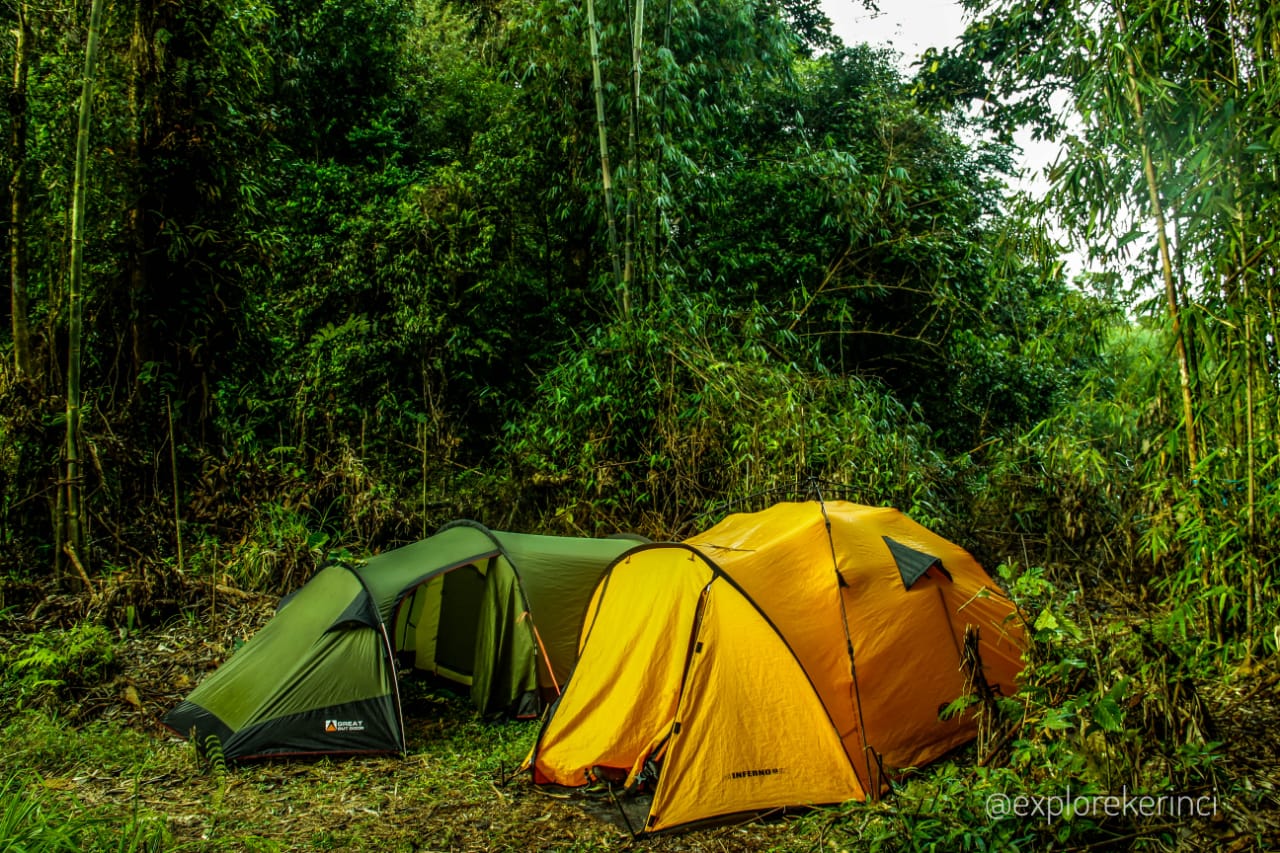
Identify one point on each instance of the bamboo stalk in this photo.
(633, 179)
(1171, 295)
(17, 198)
(605, 173)
(79, 567)
(213, 598)
(1162, 241)
(1246, 261)
(75, 511)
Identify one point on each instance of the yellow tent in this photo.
(795, 656)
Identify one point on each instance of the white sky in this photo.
(910, 27)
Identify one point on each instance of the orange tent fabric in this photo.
(787, 657)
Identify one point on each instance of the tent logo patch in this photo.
(744, 774)
(334, 726)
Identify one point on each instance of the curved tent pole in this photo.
(395, 682)
(718, 573)
(542, 648)
(873, 785)
(524, 596)
(387, 649)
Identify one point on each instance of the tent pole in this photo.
(545, 657)
(872, 780)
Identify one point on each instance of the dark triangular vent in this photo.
(912, 564)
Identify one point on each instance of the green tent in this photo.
(497, 612)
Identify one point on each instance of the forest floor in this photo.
(455, 789)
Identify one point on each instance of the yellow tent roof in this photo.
(781, 658)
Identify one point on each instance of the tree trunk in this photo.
(74, 539)
(151, 19)
(18, 199)
(135, 218)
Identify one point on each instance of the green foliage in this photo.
(41, 739)
(1166, 178)
(686, 410)
(26, 821)
(337, 82)
(1106, 707)
(279, 552)
(48, 759)
(346, 246)
(1069, 490)
(211, 752)
(52, 664)
(1222, 579)
(948, 811)
(885, 242)
(1105, 716)
(34, 821)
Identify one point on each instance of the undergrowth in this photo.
(1109, 742)
(664, 424)
(47, 667)
(1111, 729)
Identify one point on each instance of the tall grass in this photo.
(29, 822)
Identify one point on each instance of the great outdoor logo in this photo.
(333, 726)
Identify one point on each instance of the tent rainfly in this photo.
(792, 657)
(497, 612)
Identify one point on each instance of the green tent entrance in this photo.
(498, 613)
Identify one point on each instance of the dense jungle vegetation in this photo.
(293, 278)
